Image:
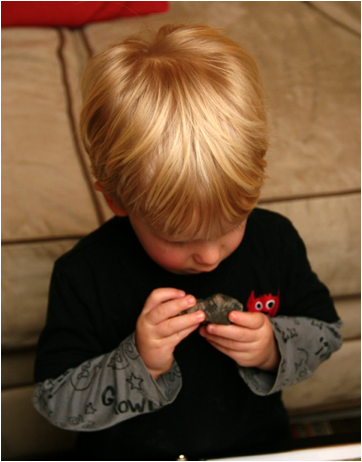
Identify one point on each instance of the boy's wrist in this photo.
(156, 373)
(271, 364)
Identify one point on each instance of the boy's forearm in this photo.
(105, 390)
(304, 343)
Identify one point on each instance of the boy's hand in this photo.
(159, 329)
(249, 340)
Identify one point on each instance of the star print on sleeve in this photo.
(135, 382)
(89, 409)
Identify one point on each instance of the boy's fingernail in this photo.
(200, 315)
(232, 316)
(191, 301)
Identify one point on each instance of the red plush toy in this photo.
(72, 14)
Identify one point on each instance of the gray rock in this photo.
(217, 308)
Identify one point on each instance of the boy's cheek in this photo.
(171, 262)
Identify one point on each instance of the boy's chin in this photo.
(190, 271)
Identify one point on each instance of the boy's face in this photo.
(183, 256)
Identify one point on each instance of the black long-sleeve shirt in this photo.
(91, 378)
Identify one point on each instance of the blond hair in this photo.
(175, 128)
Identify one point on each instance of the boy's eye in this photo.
(176, 243)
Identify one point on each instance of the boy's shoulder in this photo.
(272, 228)
(102, 241)
(261, 217)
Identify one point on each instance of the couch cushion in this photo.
(24, 431)
(72, 14)
(330, 227)
(17, 369)
(25, 284)
(342, 373)
(349, 310)
(45, 191)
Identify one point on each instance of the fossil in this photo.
(217, 308)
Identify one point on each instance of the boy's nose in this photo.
(208, 254)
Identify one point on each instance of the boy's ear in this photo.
(116, 209)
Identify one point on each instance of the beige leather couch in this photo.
(309, 56)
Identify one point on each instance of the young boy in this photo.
(175, 129)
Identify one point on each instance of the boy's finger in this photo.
(178, 324)
(190, 327)
(246, 319)
(170, 309)
(162, 295)
(233, 333)
(185, 332)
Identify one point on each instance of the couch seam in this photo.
(87, 45)
(301, 197)
(261, 202)
(37, 240)
(68, 97)
(332, 19)
(339, 297)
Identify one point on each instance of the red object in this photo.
(266, 304)
(72, 14)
